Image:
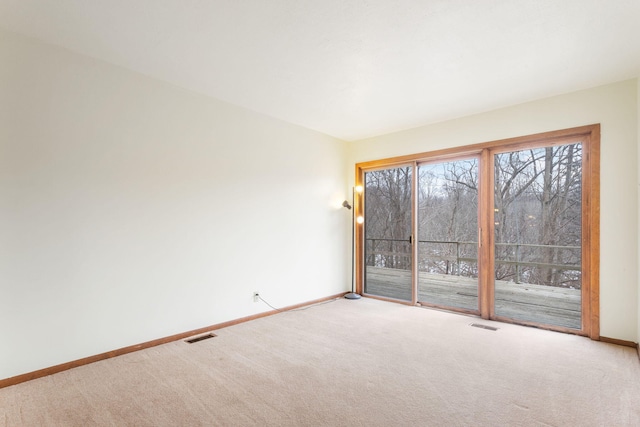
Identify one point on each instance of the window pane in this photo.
(387, 225)
(448, 233)
(537, 217)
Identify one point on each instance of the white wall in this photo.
(615, 107)
(131, 210)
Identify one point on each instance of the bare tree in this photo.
(537, 216)
(388, 214)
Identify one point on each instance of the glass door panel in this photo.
(538, 223)
(448, 234)
(387, 233)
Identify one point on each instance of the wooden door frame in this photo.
(589, 136)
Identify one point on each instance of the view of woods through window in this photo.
(538, 224)
(448, 233)
(388, 199)
(537, 232)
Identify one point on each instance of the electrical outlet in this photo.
(256, 296)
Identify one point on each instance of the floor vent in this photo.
(200, 338)
(479, 325)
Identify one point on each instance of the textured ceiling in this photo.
(352, 68)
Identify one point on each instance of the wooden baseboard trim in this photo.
(125, 350)
(619, 342)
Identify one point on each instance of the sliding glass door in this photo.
(387, 233)
(506, 230)
(538, 234)
(448, 234)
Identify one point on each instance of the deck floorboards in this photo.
(525, 302)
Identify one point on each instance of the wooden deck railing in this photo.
(456, 257)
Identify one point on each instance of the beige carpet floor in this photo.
(346, 363)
